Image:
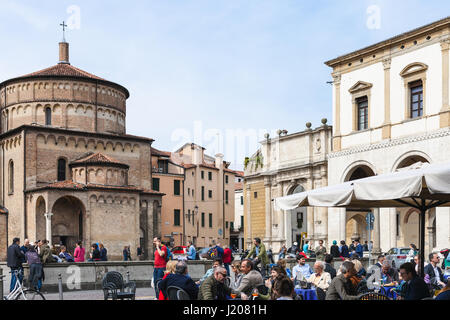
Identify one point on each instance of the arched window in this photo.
(62, 169)
(11, 177)
(48, 116)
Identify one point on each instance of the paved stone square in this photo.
(141, 294)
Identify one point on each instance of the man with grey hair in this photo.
(341, 287)
(388, 274)
(181, 280)
(320, 278)
(215, 287)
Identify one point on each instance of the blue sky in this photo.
(228, 65)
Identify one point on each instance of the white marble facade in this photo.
(394, 138)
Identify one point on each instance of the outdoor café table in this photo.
(308, 294)
(386, 290)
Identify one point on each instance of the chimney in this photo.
(63, 53)
(219, 161)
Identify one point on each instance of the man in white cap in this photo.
(294, 250)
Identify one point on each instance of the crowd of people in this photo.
(39, 253)
(252, 278)
(255, 275)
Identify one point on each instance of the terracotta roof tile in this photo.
(98, 158)
(68, 184)
(157, 152)
(63, 69)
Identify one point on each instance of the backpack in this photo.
(168, 254)
(212, 253)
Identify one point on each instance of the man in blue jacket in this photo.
(358, 248)
(191, 254)
(416, 288)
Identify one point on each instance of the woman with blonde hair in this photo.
(170, 269)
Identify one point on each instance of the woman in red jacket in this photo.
(227, 258)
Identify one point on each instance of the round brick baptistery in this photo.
(63, 96)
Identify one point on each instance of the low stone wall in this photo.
(89, 275)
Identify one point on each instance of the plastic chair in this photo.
(176, 293)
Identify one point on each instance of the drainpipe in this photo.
(25, 226)
(184, 218)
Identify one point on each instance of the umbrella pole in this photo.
(422, 240)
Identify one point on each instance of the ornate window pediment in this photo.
(413, 68)
(360, 86)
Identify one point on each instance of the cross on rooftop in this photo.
(64, 30)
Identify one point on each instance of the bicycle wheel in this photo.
(30, 295)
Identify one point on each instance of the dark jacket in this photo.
(211, 289)
(96, 255)
(416, 289)
(341, 289)
(330, 270)
(15, 256)
(181, 281)
(103, 254)
(429, 270)
(345, 251)
(334, 251)
(359, 250)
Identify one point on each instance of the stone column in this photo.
(386, 130)
(337, 110)
(48, 227)
(442, 227)
(376, 231)
(269, 212)
(445, 109)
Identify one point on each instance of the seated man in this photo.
(416, 288)
(217, 262)
(341, 287)
(320, 278)
(388, 274)
(214, 287)
(434, 272)
(180, 279)
(64, 255)
(302, 271)
(250, 279)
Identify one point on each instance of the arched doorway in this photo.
(356, 228)
(67, 222)
(355, 225)
(298, 219)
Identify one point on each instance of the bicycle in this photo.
(21, 293)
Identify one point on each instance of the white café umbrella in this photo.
(421, 186)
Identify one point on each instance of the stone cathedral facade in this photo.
(69, 171)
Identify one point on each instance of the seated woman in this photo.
(282, 263)
(275, 272)
(170, 269)
(283, 288)
(237, 275)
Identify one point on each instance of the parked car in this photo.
(398, 256)
(179, 251)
